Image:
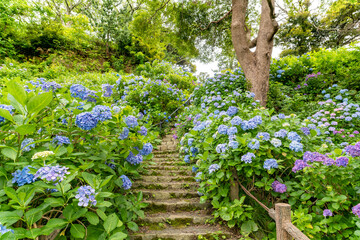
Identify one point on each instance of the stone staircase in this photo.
(174, 211)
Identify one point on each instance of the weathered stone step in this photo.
(168, 194)
(188, 233)
(167, 205)
(167, 163)
(165, 185)
(153, 179)
(152, 167)
(168, 173)
(177, 219)
(166, 152)
(165, 159)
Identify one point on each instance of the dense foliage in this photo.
(309, 160)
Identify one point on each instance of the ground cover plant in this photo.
(296, 159)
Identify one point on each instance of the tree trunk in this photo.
(256, 65)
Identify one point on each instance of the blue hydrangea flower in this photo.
(6, 107)
(213, 168)
(276, 142)
(222, 129)
(296, 146)
(52, 173)
(194, 169)
(102, 112)
(348, 119)
(147, 149)
(132, 159)
(236, 121)
(274, 118)
(305, 130)
(60, 140)
(281, 116)
(86, 120)
(47, 86)
(254, 144)
(86, 196)
(126, 182)
(270, 163)
(293, 136)
(232, 111)
(190, 141)
(131, 121)
(187, 159)
(22, 177)
(263, 136)
(232, 131)
(221, 148)
(26, 145)
(4, 230)
(338, 97)
(281, 133)
(198, 176)
(327, 96)
(143, 131)
(342, 161)
(110, 164)
(107, 89)
(233, 144)
(194, 151)
(124, 134)
(247, 158)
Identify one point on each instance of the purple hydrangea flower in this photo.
(52, 173)
(342, 161)
(327, 213)
(356, 210)
(299, 165)
(353, 150)
(278, 187)
(305, 130)
(86, 196)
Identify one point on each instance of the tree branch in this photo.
(217, 21)
(253, 43)
(157, 10)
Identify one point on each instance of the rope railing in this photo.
(285, 230)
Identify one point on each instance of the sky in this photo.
(211, 67)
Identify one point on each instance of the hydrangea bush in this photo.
(226, 133)
(68, 158)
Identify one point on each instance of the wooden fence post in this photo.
(234, 186)
(282, 217)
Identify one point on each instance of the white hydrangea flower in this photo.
(43, 154)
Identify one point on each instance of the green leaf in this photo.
(335, 206)
(52, 224)
(33, 233)
(118, 236)
(72, 213)
(89, 178)
(248, 227)
(6, 114)
(111, 223)
(105, 181)
(313, 132)
(133, 226)
(9, 218)
(54, 202)
(77, 231)
(18, 106)
(338, 151)
(26, 129)
(101, 214)
(9, 152)
(32, 216)
(92, 218)
(38, 103)
(8, 236)
(17, 91)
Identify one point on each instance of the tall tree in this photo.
(255, 64)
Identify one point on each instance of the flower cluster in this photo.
(126, 182)
(8, 108)
(79, 91)
(278, 187)
(124, 134)
(131, 121)
(327, 213)
(102, 113)
(356, 210)
(107, 90)
(60, 140)
(143, 131)
(247, 158)
(27, 144)
(132, 159)
(213, 168)
(254, 144)
(4, 230)
(86, 120)
(86, 196)
(42, 155)
(52, 173)
(22, 177)
(147, 149)
(270, 163)
(232, 111)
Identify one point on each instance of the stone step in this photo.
(166, 168)
(168, 173)
(177, 219)
(177, 204)
(159, 152)
(187, 233)
(165, 185)
(168, 163)
(167, 194)
(156, 179)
